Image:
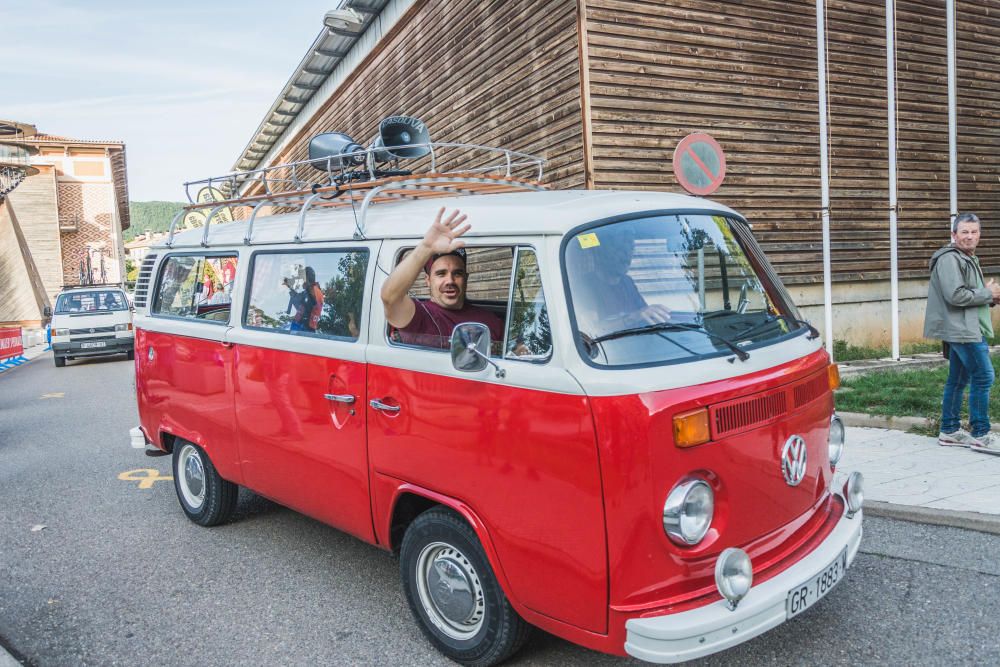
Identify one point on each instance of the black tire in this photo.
(60, 361)
(131, 355)
(472, 622)
(205, 497)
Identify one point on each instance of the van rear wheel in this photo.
(205, 497)
(454, 594)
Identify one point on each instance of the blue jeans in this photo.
(969, 363)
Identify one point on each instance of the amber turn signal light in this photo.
(691, 428)
(834, 374)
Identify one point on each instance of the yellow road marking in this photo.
(54, 394)
(145, 476)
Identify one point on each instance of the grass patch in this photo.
(915, 393)
(844, 352)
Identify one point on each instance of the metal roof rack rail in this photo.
(365, 185)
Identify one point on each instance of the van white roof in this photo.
(512, 214)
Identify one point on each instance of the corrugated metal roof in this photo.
(326, 52)
(56, 139)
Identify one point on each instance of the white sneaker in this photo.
(988, 444)
(959, 438)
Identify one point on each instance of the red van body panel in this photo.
(755, 508)
(187, 390)
(524, 461)
(296, 446)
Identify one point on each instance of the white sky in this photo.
(184, 83)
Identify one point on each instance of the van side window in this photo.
(488, 281)
(529, 336)
(196, 287)
(308, 293)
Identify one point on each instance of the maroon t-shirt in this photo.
(432, 325)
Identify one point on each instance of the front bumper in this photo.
(76, 348)
(706, 630)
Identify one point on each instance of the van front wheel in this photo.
(205, 497)
(454, 594)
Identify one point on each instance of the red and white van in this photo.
(660, 489)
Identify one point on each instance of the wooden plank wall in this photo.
(745, 71)
(499, 73)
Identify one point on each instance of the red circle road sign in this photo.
(699, 164)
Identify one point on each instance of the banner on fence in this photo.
(10, 343)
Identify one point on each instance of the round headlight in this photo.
(837, 437)
(733, 575)
(854, 493)
(687, 514)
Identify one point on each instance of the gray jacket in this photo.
(954, 296)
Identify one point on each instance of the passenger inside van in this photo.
(441, 255)
(610, 301)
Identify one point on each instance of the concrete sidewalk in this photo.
(911, 477)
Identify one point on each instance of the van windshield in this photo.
(88, 302)
(673, 288)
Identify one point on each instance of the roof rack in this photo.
(284, 186)
(66, 287)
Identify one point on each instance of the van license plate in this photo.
(810, 592)
(97, 344)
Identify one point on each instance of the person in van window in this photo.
(296, 304)
(958, 313)
(441, 254)
(611, 301)
(313, 301)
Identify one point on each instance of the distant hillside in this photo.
(152, 215)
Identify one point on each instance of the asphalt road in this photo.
(95, 570)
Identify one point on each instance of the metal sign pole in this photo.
(952, 116)
(824, 173)
(890, 51)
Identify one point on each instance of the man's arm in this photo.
(954, 289)
(441, 238)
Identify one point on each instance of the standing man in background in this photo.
(958, 313)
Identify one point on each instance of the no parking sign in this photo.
(699, 164)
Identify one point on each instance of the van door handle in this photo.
(379, 405)
(340, 398)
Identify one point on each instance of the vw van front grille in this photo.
(750, 412)
(745, 413)
(811, 389)
(142, 282)
(90, 330)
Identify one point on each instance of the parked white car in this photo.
(90, 321)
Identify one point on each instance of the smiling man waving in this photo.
(441, 254)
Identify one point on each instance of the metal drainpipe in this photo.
(824, 172)
(890, 53)
(952, 116)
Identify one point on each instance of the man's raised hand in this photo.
(442, 237)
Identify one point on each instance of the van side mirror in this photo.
(47, 311)
(470, 348)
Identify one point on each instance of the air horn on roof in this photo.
(398, 138)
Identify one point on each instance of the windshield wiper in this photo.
(673, 326)
(813, 331)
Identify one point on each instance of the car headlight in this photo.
(854, 493)
(733, 575)
(688, 512)
(123, 327)
(60, 332)
(837, 437)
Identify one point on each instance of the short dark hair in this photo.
(964, 217)
(459, 252)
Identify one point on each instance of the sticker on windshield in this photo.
(588, 240)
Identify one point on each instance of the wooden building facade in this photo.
(605, 89)
(63, 225)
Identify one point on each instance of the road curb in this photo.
(6, 659)
(882, 421)
(982, 523)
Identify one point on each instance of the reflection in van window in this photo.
(311, 293)
(529, 336)
(670, 288)
(197, 287)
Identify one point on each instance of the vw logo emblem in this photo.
(91, 331)
(793, 460)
